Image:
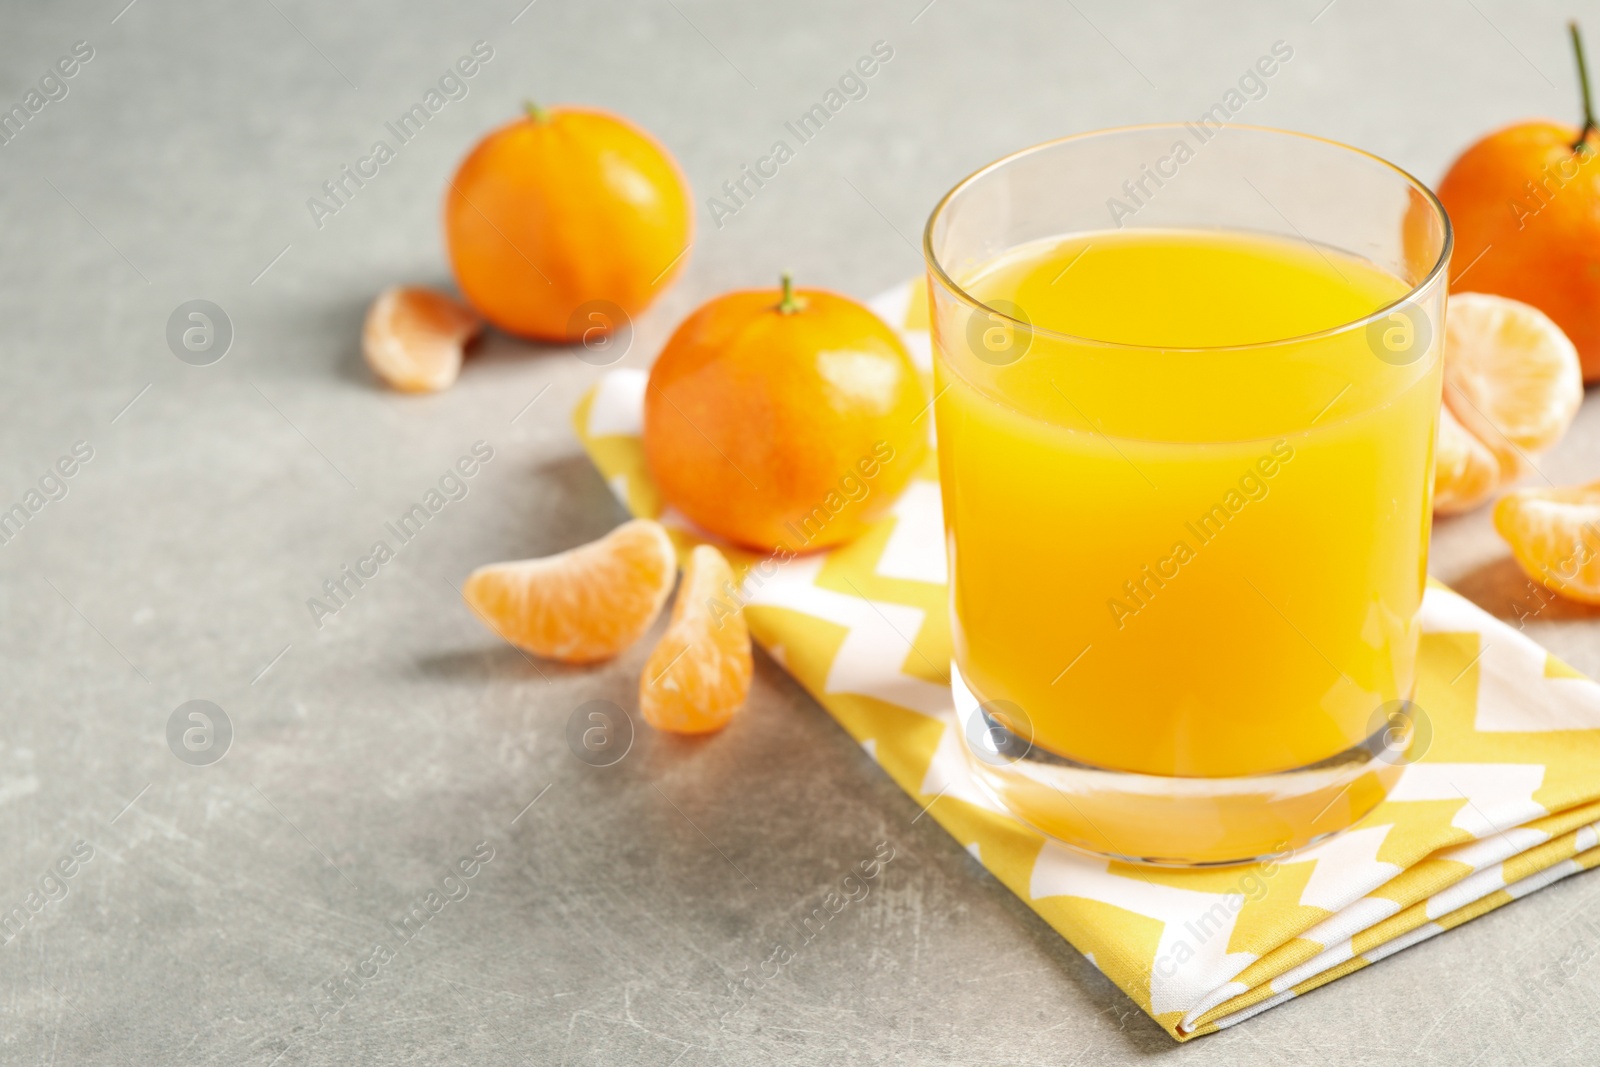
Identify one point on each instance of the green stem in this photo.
(535, 112)
(790, 303)
(1589, 125)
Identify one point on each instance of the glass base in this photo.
(1169, 821)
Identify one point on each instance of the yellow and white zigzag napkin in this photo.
(1505, 801)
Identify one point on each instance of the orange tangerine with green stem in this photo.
(565, 221)
(784, 419)
(1525, 203)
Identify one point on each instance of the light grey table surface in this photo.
(371, 754)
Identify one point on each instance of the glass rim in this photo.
(1409, 296)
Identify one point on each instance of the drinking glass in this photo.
(1187, 548)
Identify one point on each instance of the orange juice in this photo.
(1187, 517)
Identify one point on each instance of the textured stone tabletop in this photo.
(227, 913)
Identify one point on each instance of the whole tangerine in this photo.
(565, 222)
(1525, 203)
(784, 420)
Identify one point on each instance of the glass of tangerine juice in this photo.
(1187, 383)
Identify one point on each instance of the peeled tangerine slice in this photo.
(1466, 472)
(699, 674)
(1512, 385)
(1555, 536)
(583, 605)
(413, 338)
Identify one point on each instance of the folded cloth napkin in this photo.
(1505, 800)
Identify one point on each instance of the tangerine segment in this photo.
(413, 338)
(1555, 536)
(1466, 472)
(582, 605)
(1508, 362)
(699, 674)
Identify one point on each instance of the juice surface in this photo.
(1199, 558)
